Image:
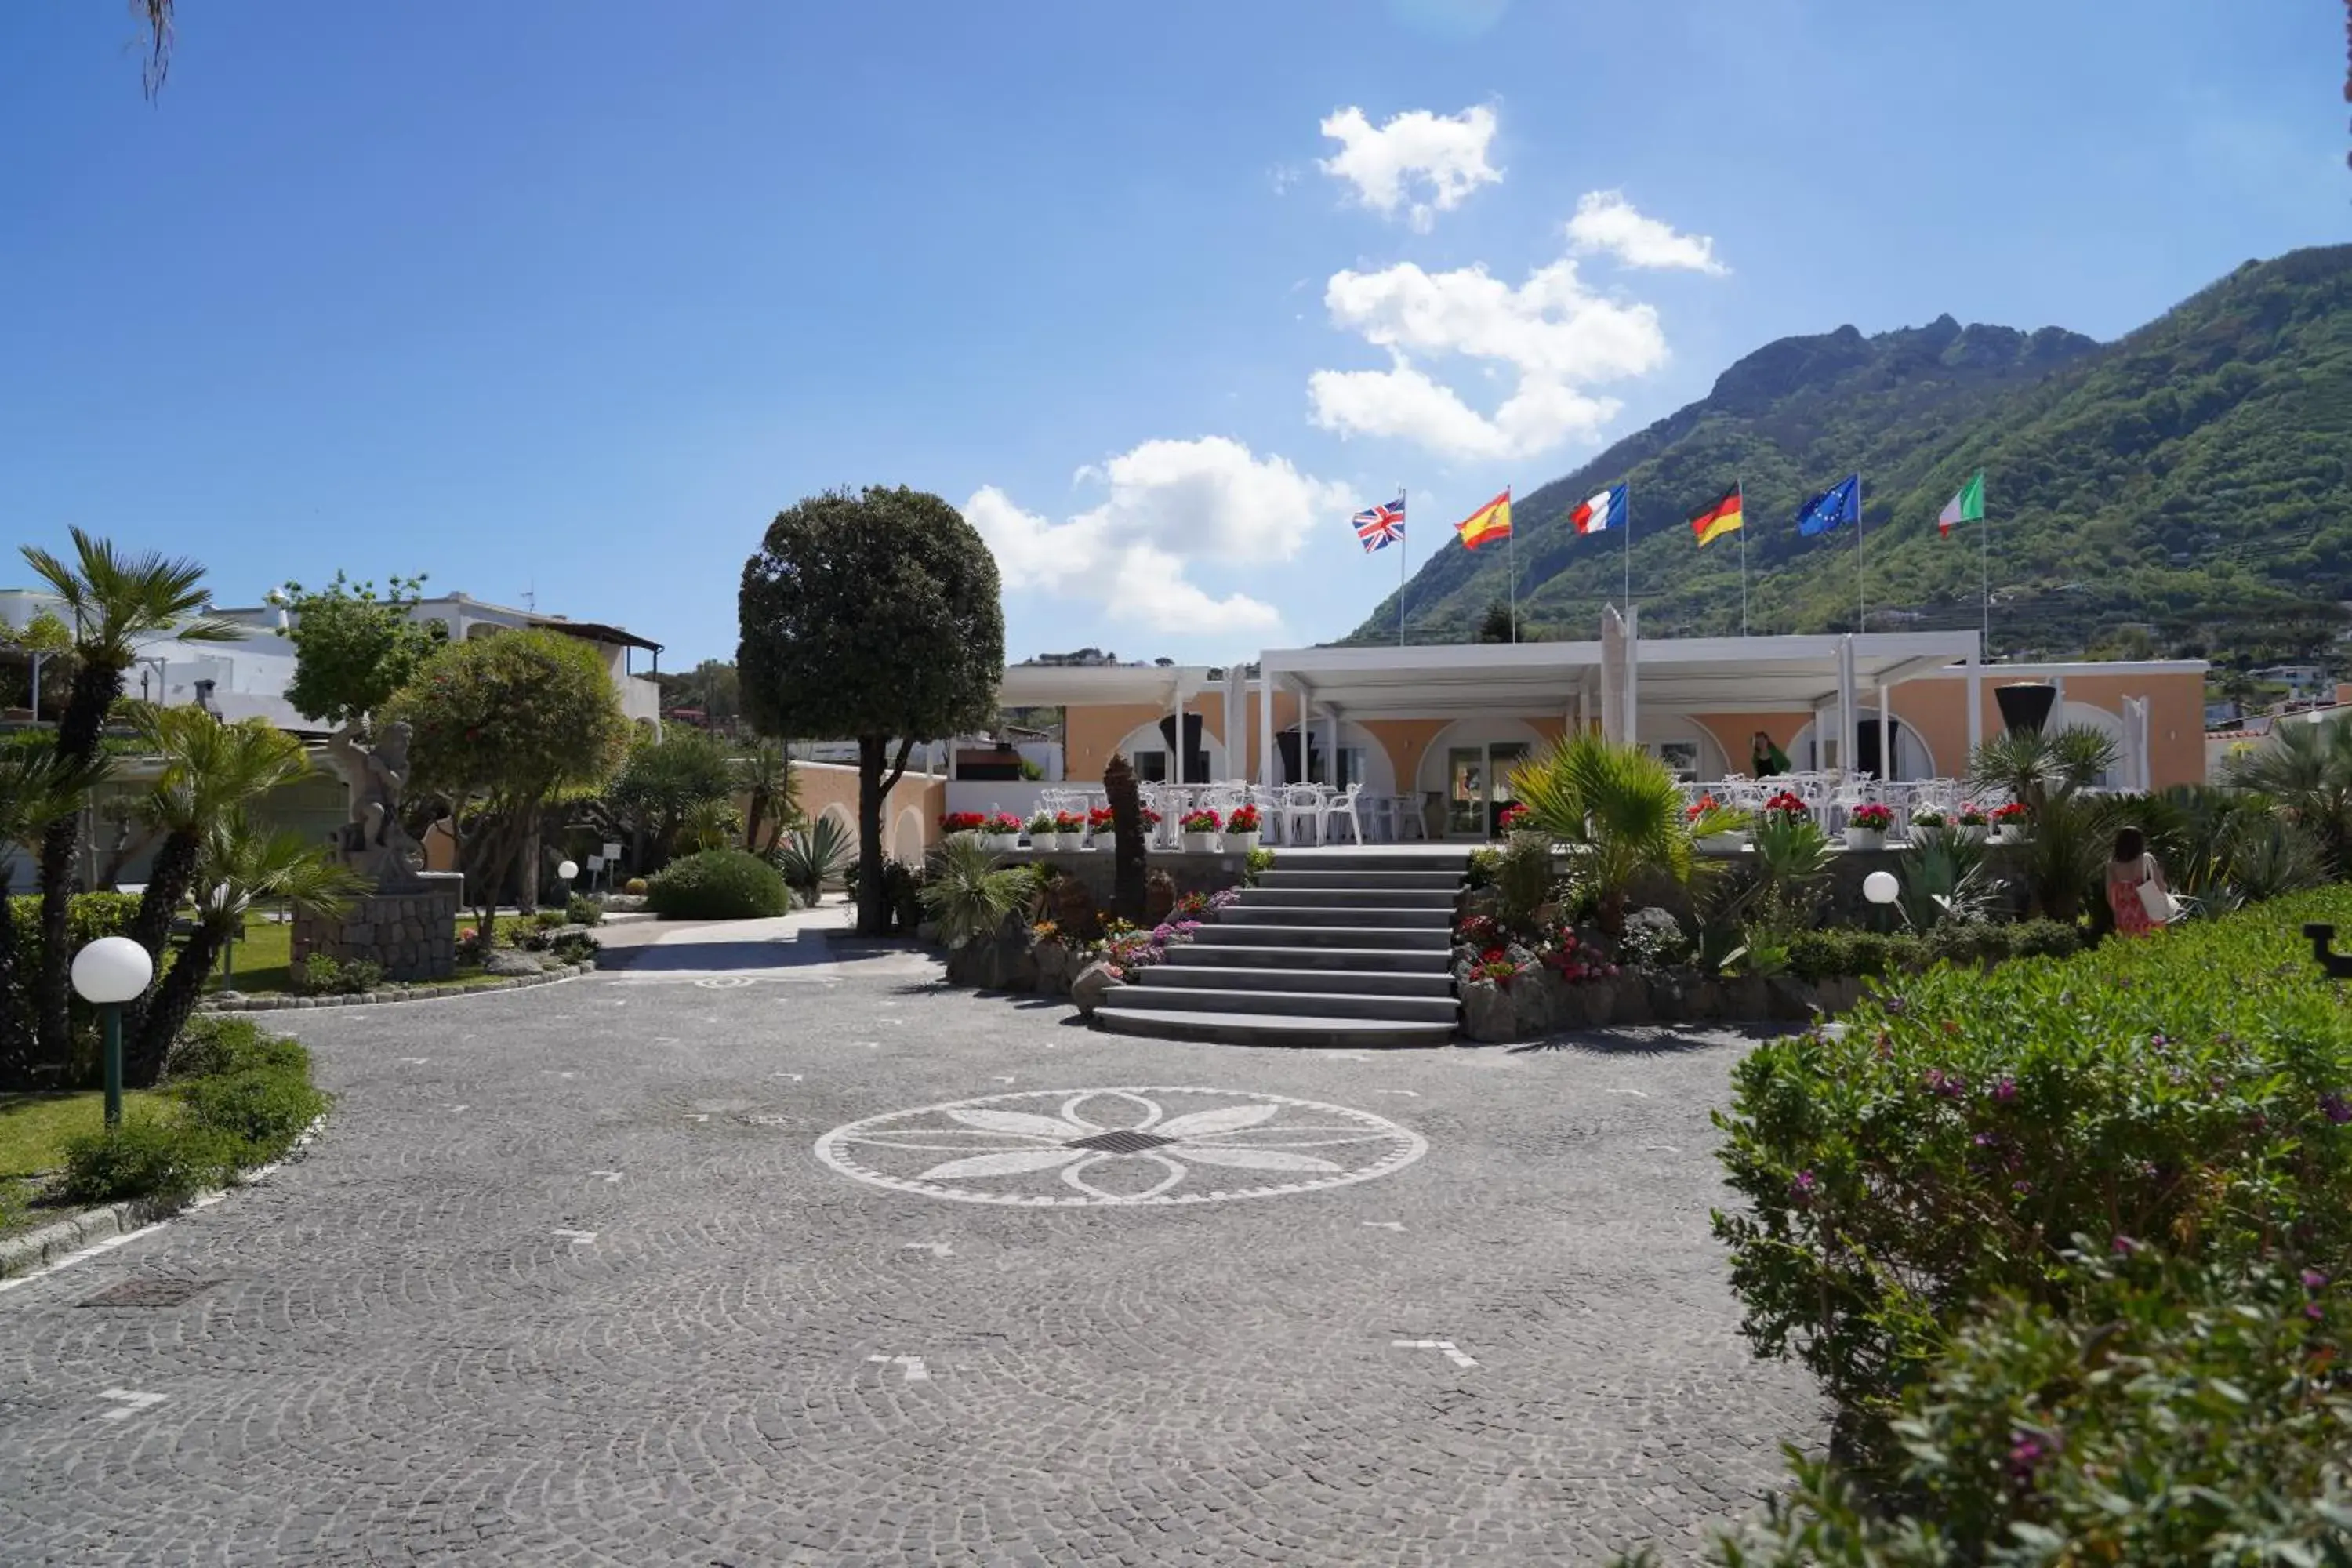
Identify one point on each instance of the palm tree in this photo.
(36, 788)
(212, 770)
(2047, 771)
(1619, 812)
(2306, 769)
(241, 862)
(765, 773)
(968, 892)
(114, 602)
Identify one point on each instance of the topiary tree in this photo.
(1127, 867)
(351, 649)
(502, 725)
(872, 618)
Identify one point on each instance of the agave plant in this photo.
(704, 825)
(764, 776)
(968, 893)
(1945, 878)
(2035, 766)
(1776, 890)
(810, 856)
(1619, 810)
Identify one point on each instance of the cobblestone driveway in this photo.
(566, 1281)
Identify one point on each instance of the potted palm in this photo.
(1241, 829)
(1200, 828)
(1866, 825)
(1044, 832)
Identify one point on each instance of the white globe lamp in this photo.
(1881, 887)
(568, 870)
(107, 973)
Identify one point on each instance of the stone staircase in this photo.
(1337, 947)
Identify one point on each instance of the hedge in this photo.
(2191, 1092)
(244, 1098)
(719, 885)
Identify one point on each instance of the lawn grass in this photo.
(33, 1132)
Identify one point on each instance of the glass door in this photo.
(1478, 786)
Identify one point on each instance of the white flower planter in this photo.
(1076, 842)
(1722, 843)
(1865, 838)
(1003, 843)
(1200, 843)
(1972, 832)
(1240, 843)
(1054, 841)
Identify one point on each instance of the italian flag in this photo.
(1965, 507)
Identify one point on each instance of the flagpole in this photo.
(1404, 549)
(1984, 586)
(1861, 594)
(1739, 485)
(1511, 570)
(1629, 544)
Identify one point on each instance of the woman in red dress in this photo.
(2132, 868)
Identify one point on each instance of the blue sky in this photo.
(575, 297)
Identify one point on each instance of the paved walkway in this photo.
(706, 1260)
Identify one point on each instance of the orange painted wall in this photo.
(1938, 712)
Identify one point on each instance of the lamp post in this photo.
(107, 973)
(1880, 888)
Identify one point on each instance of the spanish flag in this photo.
(1721, 516)
(1492, 521)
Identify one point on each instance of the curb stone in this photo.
(376, 998)
(54, 1244)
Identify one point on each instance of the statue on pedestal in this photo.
(373, 842)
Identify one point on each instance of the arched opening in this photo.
(1469, 764)
(846, 818)
(2087, 716)
(1147, 747)
(1913, 757)
(907, 838)
(1684, 746)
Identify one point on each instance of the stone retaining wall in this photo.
(413, 935)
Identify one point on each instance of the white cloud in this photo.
(1556, 334)
(1171, 506)
(1606, 223)
(1443, 154)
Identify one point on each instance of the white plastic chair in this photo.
(1410, 823)
(1302, 815)
(1342, 805)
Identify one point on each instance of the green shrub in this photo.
(147, 1157)
(218, 1045)
(575, 947)
(1258, 862)
(719, 885)
(89, 917)
(320, 975)
(548, 920)
(636, 887)
(262, 1111)
(2193, 1088)
(1484, 866)
(579, 909)
(2178, 1416)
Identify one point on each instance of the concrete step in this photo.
(1449, 880)
(1350, 859)
(1249, 978)
(1432, 961)
(1296, 1004)
(1270, 1029)
(1372, 897)
(1365, 915)
(1372, 939)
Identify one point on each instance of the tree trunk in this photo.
(16, 1034)
(168, 1010)
(873, 912)
(527, 874)
(95, 688)
(168, 881)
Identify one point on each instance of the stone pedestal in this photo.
(413, 935)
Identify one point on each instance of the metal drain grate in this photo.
(150, 1293)
(1123, 1140)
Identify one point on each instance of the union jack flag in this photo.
(1381, 526)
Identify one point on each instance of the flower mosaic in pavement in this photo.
(1060, 1148)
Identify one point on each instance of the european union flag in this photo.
(1841, 503)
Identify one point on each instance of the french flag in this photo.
(1601, 513)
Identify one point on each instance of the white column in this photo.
(1235, 742)
(1176, 764)
(1976, 711)
(1303, 701)
(1330, 745)
(1265, 753)
(2057, 720)
(1634, 674)
(1885, 739)
(1583, 707)
(1849, 715)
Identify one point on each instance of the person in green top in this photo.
(1766, 760)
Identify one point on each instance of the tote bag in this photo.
(2161, 907)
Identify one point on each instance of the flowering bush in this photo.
(1786, 806)
(1481, 931)
(1928, 817)
(962, 822)
(1242, 819)
(1971, 814)
(2014, 812)
(1150, 817)
(1195, 907)
(1199, 821)
(1098, 818)
(471, 949)
(1513, 819)
(1042, 823)
(1495, 965)
(1567, 956)
(1002, 822)
(1872, 818)
(1069, 822)
(2193, 1094)
(1699, 808)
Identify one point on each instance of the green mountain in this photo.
(2183, 488)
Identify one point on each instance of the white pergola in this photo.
(1166, 687)
(1822, 675)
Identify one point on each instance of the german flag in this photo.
(1721, 516)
